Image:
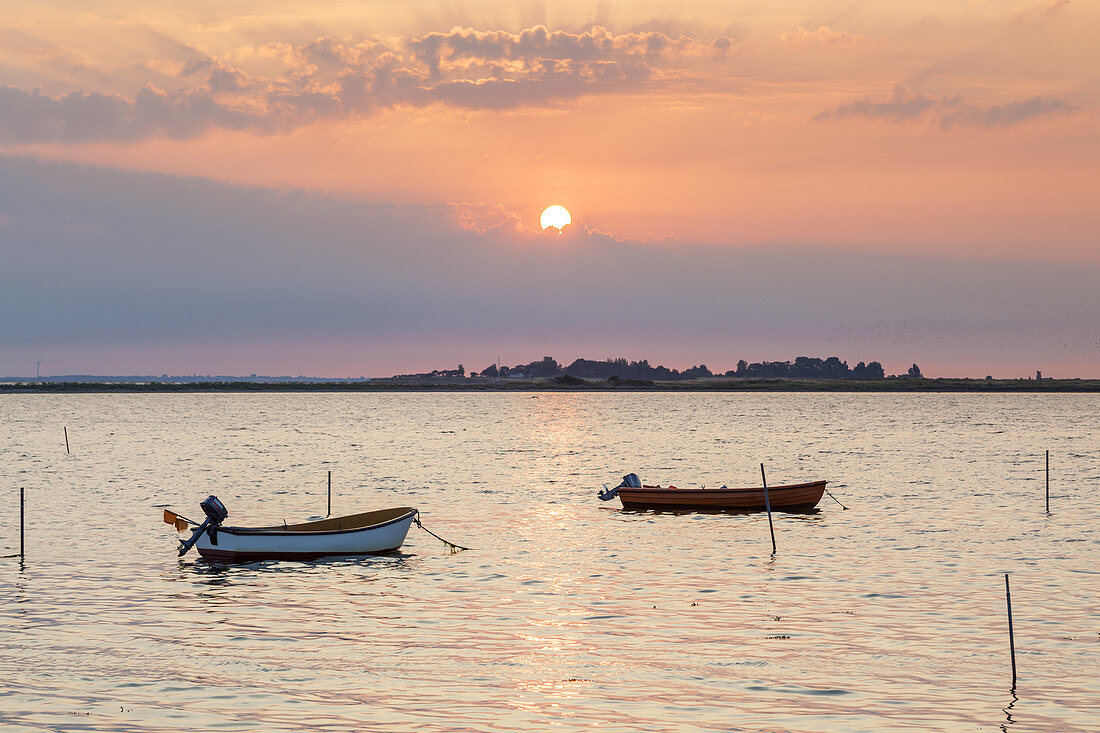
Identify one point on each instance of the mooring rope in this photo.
(836, 500)
(450, 545)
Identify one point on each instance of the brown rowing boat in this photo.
(792, 497)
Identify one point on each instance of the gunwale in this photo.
(331, 525)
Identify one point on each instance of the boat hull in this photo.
(793, 497)
(381, 533)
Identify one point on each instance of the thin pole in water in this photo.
(1048, 482)
(1011, 639)
(768, 505)
(329, 494)
(22, 511)
(67, 441)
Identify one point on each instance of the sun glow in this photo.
(555, 216)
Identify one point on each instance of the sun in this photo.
(555, 216)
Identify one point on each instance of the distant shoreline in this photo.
(558, 385)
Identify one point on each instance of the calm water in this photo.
(568, 613)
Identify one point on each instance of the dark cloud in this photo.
(1003, 115)
(27, 117)
(335, 78)
(534, 46)
(946, 111)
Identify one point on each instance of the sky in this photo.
(354, 188)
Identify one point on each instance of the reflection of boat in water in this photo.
(792, 497)
(368, 533)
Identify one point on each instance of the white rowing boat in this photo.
(368, 533)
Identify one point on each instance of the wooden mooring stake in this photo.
(1011, 638)
(66, 429)
(22, 511)
(329, 494)
(1048, 482)
(768, 506)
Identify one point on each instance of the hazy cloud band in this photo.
(151, 259)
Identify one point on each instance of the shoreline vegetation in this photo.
(804, 374)
(566, 383)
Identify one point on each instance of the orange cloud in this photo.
(824, 35)
(1041, 7)
(482, 218)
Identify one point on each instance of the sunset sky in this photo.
(354, 188)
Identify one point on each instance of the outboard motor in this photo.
(215, 514)
(630, 481)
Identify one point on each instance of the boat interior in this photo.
(351, 521)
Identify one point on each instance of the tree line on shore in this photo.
(804, 367)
